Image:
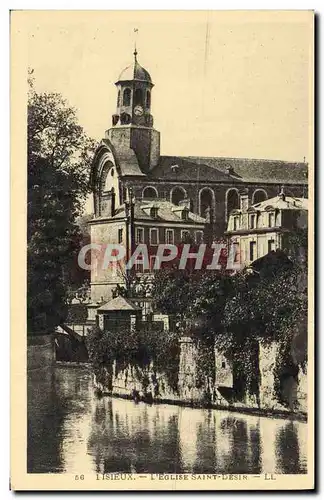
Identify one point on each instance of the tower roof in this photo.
(135, 72)
(119, 303)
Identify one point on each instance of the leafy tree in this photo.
(172, 292)
(236, 313)
(140, 348)
(59, 158)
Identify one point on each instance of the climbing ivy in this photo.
(139, 348)
(236, 314)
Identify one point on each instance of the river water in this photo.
(70, 430)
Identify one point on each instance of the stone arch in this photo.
(138, 97)
(232, 200)
(259, 195)
(103, 162)
(206, 200)
(126, 97)
(177, 194)
(108, 178)
(150, 192)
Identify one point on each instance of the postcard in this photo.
(162, 214)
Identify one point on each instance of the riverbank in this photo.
(70, 430)
(295, 416)
(298, 416)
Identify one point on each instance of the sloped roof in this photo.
(196, 168)
(126, 159)
(187, 169)
(167, 212)
(118, 304)
(288, 203)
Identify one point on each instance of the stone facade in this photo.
(150, 386)
(263, 227)
(128, 165)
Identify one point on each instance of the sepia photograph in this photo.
(163, 231)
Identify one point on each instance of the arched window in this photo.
(258, 196)
(138, 97)
(149, 192)
(232, 201)
(118, 99)
(107, 181)
(126, 97)
(148, 98)
(178, 194)
(206, 201)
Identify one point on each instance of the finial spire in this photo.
(135, 48)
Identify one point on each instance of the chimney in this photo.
(282, 195)
(229, 170)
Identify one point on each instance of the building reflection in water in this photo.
(71, 430)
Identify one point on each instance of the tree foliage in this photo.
(59, 158)
(237, 313)
(139, 348)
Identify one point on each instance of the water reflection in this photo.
(70, 430)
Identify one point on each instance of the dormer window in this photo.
(151, 210)
(252, 221)
(181, 212)
(185, 213)
(154, 212)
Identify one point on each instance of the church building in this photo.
(143, 196)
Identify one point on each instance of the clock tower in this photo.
(132, 124)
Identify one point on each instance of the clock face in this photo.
(138, 110)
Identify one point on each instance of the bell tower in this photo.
(132, 124)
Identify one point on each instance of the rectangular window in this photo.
(236, 223)
(277, 221)
(271, 220)
(252, 221)
(139, 267)
(153, 260)
(169, 236)
(236, 251)
(120, 235)
(139, 235)
(185, 236)
(271, 245)
(154, 236)
(199, 237)
(252, 250)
